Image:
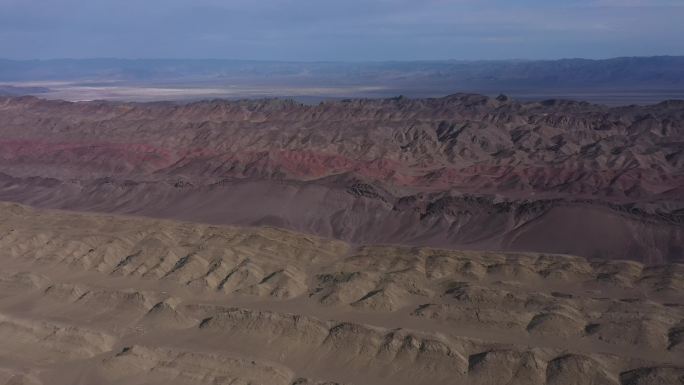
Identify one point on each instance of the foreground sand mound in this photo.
(574, 369)
(557, 322)
(21, 282)
(140, 365)
(304, 381)
(286, 328)
(11, 377)
(118, 300)
(38, 341)
(653, 376)
(285, 283)
(396, 353)
(506, 366)
(164, 315)
(480, 318)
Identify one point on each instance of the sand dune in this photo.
(92, 298)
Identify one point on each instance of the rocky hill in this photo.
(463, 171)
(112, 300)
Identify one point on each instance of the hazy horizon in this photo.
(615, 81)
(418, 60)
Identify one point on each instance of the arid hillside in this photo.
(111, 300)
(463, 171)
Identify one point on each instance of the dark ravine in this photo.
(463, 171)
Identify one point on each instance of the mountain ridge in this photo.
(466, 171)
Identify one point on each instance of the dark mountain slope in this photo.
(464, 170)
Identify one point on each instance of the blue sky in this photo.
(353, 30)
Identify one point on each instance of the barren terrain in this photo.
(464, 171)
(461, 240)
(93, 298)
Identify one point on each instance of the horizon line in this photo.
(339, 61)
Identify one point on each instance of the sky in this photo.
(347, 30)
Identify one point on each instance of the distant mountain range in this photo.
(618, 81)
(661, 71)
